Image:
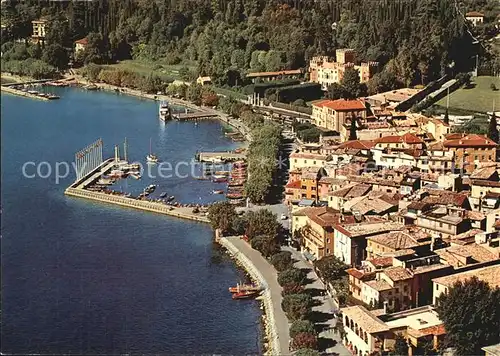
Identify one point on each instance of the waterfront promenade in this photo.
(259, 268)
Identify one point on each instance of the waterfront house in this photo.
(80, 45)
(39, 30)
(475, 17)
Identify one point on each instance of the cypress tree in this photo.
(446, 118)
(352, 130)
(492, 129)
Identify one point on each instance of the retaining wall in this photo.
(271, 331)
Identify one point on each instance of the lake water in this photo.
(87, 278)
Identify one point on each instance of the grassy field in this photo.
(477, 99)
(164, 71)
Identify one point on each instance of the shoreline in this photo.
(271, 342)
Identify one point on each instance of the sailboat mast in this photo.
(125, 149)
(150, 145)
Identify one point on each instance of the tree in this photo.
(470, 311)
(351, 84)
(400, 346)
(209, 97)
(291, 276)
(307, 352)
(282, 261)
(446, 117)
(55, 55)
(335, 91)
(353, 129)
(330, 268)
(292, 288)
(381, 82)
(261, 222)
(194, 92)
(305, 341)
(91, 72)
(297, 306)
(221, 216)
(493, 129)
(266, 245)
(301, 326)
(96, 50)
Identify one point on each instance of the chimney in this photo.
(385, 306)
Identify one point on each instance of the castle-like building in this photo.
(326, 71)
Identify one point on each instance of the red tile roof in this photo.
(472, 140)
(82, 41)
(358, 144)
(294, 185)
(341, 104)
(406, 138)
(474, 14)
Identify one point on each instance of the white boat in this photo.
(151, 157)
(164, 111)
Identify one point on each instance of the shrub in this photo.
(301, 326)
(297, 306)
(282, 261)
(291, 276)
(305, 340)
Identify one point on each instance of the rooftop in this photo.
(366, 320)
(323, 216)
(455, 254)
(271, 74)
(379, 285)
(397, 273)
(406, 138)
(420, 319)
(471, 140)
(341, 104)
(399, 240)
(367, 228)
(490, 275)
(474, 14)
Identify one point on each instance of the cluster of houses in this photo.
(409, 206)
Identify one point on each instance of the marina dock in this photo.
(90, 169)
(198, 115)
(12, 89)
(219, 157)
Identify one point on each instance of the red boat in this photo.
(244, 288)
(219, 180)
(245, 295)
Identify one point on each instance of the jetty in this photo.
(219, 157)
(198, 115)
(13, 89)
(90, 168)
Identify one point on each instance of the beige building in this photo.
(301, 160)
(326, 71)
(490, 274)
(80, 45)
(475, 17)
(374, 332)
(39, 30)
(333, 114)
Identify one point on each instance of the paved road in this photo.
(271, 277)
(278, 209)
(329, 340)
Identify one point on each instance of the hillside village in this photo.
(410, 206)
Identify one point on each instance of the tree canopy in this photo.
(470, 311)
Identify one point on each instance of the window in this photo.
(295, 160)
(304, 187)
(405, 288)
(397, 290)
(314, 162)
(313, 188)
(440, 224)
(437, 286)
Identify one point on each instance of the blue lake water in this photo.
(87, 278)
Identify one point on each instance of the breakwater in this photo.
(274, 346)
(154, 207)
(14, 91)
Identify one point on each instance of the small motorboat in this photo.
(163, 195)
(244, 288)
(171, 198)
(219, 180)
(245, 295)
(150, 188)
(217, 192)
